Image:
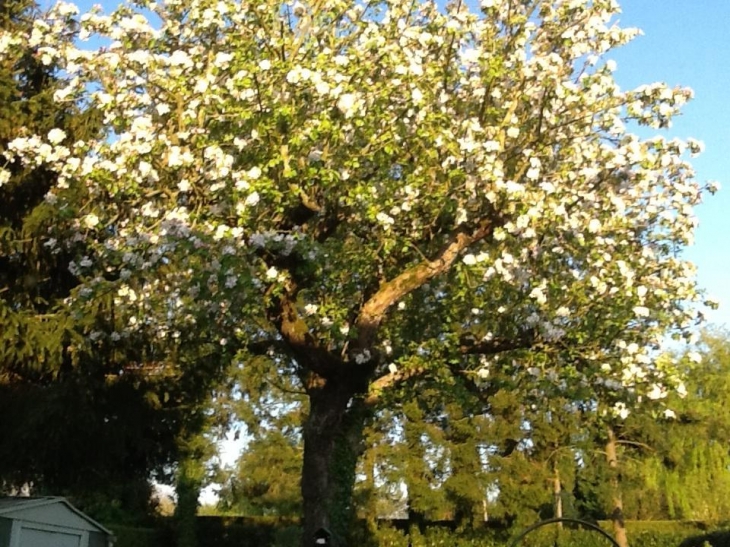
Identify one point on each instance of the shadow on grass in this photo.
(718, 538)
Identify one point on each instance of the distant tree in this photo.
(268, 408)
(685, 472)
(671, 459)
(698, 455)
(419, 461)
(266, 480)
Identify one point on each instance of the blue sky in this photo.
(686, 42)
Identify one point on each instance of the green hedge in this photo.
(641, 534)
(129, 536)
(273, 532)
(247, 532)
(214, 532)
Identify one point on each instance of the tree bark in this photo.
(332, 437)
(617, 506)
(189, 481)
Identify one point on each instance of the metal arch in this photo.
(540, 524)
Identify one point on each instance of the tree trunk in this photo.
(189, 481)
(557, 496)
(371, 497)
(332, 437)
(617, 506)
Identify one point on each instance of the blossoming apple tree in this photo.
(369, 191)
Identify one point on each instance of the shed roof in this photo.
(19, 507)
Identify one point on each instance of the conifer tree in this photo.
(61, 392)
(36, 341)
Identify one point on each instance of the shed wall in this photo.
(98, 539)
(31, 537)
(5, 526)
(57, 514)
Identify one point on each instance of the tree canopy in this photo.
(369, 192)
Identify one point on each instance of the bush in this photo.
(246, 532)
(129, 536)
(640, 534)
(388, 535)
(288, 536)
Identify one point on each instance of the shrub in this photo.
(129, 536)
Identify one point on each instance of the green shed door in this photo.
(31, 537)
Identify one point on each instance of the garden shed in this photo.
(48, 522)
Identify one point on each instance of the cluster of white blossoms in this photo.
(264, 153)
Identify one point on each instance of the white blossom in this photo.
(694, 357)
(347, 103)
(620, 410)
(363, 357)
(656, 392)
(469, 259)
(56, 136)
(91, 220)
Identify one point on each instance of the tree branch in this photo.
(305, 348)
(392, 291)
(470, 346)
(385, 382)
(262, 347)
(637, 444)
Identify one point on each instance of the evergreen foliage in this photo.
(93, 421)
